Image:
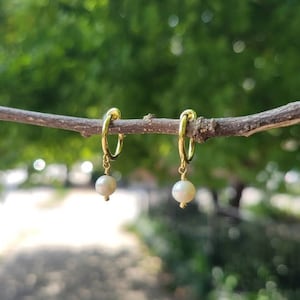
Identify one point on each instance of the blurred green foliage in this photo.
(212, 257)
(221, 58)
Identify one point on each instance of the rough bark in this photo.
(201, 129)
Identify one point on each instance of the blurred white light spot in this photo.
(207, 16)
(87, 167)
(14, 177)
(251, 196)
(39, 164)
(248, 84)
(56, 172)
(176, 47)
(290, 145)
(205, 200)
(53, 288)
(239, 46)
(80, 173)
(292, 177)
(173, 21)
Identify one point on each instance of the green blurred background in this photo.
(220, 58)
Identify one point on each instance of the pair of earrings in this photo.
(183, 190)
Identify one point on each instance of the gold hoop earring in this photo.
(183, 190)
(106, 184)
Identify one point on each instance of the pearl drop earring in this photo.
(106, 184)
(183, 190)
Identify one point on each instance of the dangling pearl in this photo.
(183, 192)
(105, 186)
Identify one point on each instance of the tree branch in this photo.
(201, 129)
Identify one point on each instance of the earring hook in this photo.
(111, 115)
(187, 115)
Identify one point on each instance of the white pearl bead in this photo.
(105, 185)
(183, 191)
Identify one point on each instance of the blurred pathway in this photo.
(43, 217)
(73, 246)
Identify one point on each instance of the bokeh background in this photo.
(239, 240)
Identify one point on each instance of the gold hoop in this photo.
(111, 115)
(187, 115)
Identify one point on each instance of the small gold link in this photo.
(183, 169)
(106, 164)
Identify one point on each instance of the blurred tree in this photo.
(220, 58)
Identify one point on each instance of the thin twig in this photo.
(201, 130)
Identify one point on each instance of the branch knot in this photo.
(203, 129)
